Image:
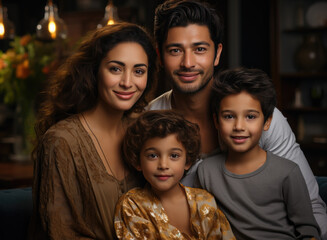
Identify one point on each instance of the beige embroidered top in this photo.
(140, 215)
(74, 196)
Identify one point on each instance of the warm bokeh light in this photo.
(52, 29)
(2, 30)
(110, 22)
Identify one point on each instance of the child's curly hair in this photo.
(160, 123)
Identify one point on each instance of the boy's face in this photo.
(240, 122)
(189, 57)
(163, 161)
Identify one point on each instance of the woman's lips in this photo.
(124, 95)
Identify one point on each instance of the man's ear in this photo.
(267, 123)
(218, 54)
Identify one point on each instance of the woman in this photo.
(79, 172)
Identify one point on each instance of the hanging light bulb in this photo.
(110, 15)
(51, 27)
(7, 29)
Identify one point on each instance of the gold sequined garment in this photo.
(140, 215)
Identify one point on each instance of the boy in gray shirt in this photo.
(263, 195)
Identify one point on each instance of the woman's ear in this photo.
(267, 123)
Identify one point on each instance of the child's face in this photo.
(240, 122)
(163, 161)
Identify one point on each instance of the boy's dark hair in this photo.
(254, 81)
(160, 123)
(180, 13)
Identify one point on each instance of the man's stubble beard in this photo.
(190, 91)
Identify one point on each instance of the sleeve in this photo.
(58, 193)
(280, 140)
(131, 222)
(220, 227)
(299, 209)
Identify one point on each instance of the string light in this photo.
(51, 27)
(7, 29)
(110, 15)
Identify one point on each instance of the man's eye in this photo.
(201, 49)
(175, 51)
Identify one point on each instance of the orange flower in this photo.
(25, 40)
(23, 70)
(3, 64)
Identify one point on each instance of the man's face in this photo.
(189, 57)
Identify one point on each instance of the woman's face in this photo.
(123, 76)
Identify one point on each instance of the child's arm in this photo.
(130, 221)
(299, 207)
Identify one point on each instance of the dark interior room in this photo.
(285, 38)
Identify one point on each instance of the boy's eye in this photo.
(174, 155)
(251, 116)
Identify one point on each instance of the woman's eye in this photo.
(140, 72)
(114, 69)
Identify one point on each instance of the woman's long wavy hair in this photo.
(73, 88)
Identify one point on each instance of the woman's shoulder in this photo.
(65, 127)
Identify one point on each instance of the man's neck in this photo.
(193, 106)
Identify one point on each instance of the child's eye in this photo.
(228, 116)
(174, 155)
(251, 116)
(152, 156)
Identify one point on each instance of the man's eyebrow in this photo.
(193, 44)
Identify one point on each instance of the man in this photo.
(188, 35)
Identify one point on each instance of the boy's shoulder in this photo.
(198, 194)
(280, 161)
(213, 161)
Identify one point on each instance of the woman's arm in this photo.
(59, 199)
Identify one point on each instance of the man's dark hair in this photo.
(180, 13)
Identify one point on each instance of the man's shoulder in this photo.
(161, 102)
